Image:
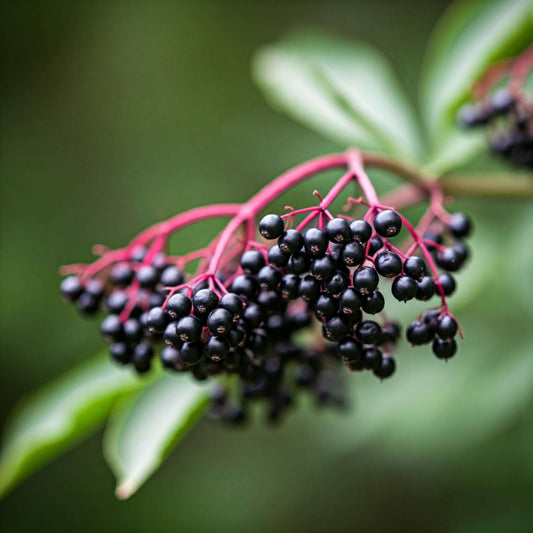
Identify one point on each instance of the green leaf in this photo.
(143, 430)
(343, 89)
(467, 40)
(58, 416)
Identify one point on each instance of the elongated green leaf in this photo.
(143, 430)
(471, 35)
(59, 415)
(344, 89)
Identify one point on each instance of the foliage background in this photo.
(115, 115)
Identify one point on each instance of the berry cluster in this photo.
(506, 112)
(290, 306)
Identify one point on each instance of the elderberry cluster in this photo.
(328, 278)
(510, 124)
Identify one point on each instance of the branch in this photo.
(507, 186)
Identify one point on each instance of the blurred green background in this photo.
(119, 114)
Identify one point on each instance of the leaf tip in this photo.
(125, 490)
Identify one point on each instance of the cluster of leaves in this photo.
(345, 90)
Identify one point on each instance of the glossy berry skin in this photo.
(309, 288)
(376, 244)
(170, 357)
(87, 303)
(178, 305)
(336, 328)
(373, 303)
(289, 286)
(120, 352)
(324, 267)
(353, 254)
(189, 329)
(171, 277)
(95, 288)
(116, 302)
(448, 283)
(142, 356)
(132, 330)
(147, 277)
(361, 230)
(276, 257)
(232, 303)
(271, 226)
(386, 368)
(111, 328)
(368, 332)
(425, 288)
(204, 301)
(444, 349)
(253, 315)
(372, 358)
(460, 225)
(404, 288)
(449, 259)
(350, 349)
(298, 263)
(290, 242)
(122, 275)
(388, 264)
(269, 277)
(217, 347)
(219, 321)
(414, 267)
(390, 333)
(446, 328)
(252, 261)
(337, 283)
(387, 223)
(350, 301)
(338, 230)
(171, 337)
(315, 242)
(326, 306)
(365, 280)
(418, 333)
(191, 353)
(157, 319)
(71, 288)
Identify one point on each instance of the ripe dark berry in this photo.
(502, 101)
(387, 223)
(299, 263)
(448, 283)
(179, 305)
(269, 277)
(373, 303)
(219, 321)
(204, 301)
(95, 288)
(155, 299)
(111, 328)
(353, 254)
(425, 288)
(116, 302)
(289, 286)
(350, 349)
(237, 336)
(326, 306)
(460, 225)
(252, 261)
(290, 242)
(444, 349)
(338, 230)
(368, 332)
(390, 333)
(361, 230)
(132, 330)
(171, 277)
(120, 352)
(217, 347)
(138, 254)
(157, 319)
(276, 257)
(253, 315)
(271, 226)
(122, 275)
(446, 328)
(349, 301)
(191, 353)
(449, 259)
(387, 367)
(414, 267)
(376, 244)
(232, 303)
(171, 337)
(245, 287)
(324, 267)
(189, 329)
(372, 358)
(337, 283)
(418, 333)
(365, 280)
(170, 357)
(315, 242)
(142, 356)
(147, 277)
(309, 288)
(404, 288)
(336, 328)
(71, 288)
(87, 303)
(388, 264)
(271, 300)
